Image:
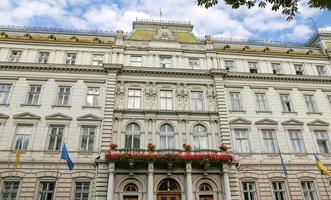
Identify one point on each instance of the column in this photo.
(227, 192)
(110, 189)
(189, 190)
(150, 181)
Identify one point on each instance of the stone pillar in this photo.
(227, 192)
(189, 190)
(110, 189)
(150, 181)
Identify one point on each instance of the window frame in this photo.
(239, 101)
(70, 61)
(246, 131)
(303, 72)
(132, 135)
(301, 140)
(97, 96)
(8, 92)
(166, 99)
(192, 65)
(315, 194)
(326, 139)
(284, 190)
(274, 140)
(230, 68)
(32, 126)
(244, 191)
(51, 126)
(63, 97)
(258, 102)
(11, 179)
(41, 58)
(199, 135)
(94, 56)
(88, 137)
(277, 68)
(325, 70)
(289, 102)
(14, 59)
(193, 100)
(168, 64)
(166, 135)
(39, 190)
(75, 188)
(134, 98)
(250, 67)
(135, 62)
(33, 93)
(311, 105)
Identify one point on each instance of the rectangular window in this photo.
(134, 98)
(241, 140)
(4, 93)
(279, 190)
(194, 63)
(46, 191)
(296, 140)
(88, 134)
(321, 70)
(310, 103)
(82, 191)
(235, 101)
(23, 136)
(71, 58)
(322, 141)
(97, 59)
(15, 56)
(43, 57)
(299, 69)
(33, 94)
(136, 61)
(166, 99)
(197, 100)
(277, 68)
(286, 102)
(63, 96)
(9, 190)
(261, 102)
(229, 65)
(249, 191)
(252, 67)
(92, 96)
(165, 62)
(269, 140)
(308, 190)
(55, 138)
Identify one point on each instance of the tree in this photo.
(289, 8)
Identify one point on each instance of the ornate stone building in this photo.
(161, 87)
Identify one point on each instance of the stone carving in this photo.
(164, 33)
(119, 34)
(151, 94)
(120, 92)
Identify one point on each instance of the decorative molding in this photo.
(292, 122)
(266, 121)
(58, 116)
(89, 117)
(26, 115)
(240, 120)
(3, 116)
(318, 122)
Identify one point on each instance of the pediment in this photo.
(3, 116)
(266, 121)
(26, 115)
(89, 117)
(318, 122)
(292, 122)
(240, 120)
(58, 116)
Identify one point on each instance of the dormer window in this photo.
(252, 67)
(321, 70)
(299, 69)
(165, 62)
(71, 58)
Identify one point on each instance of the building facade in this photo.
(161, 87)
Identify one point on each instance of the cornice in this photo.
(165, 112)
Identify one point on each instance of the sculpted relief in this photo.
(164, 33)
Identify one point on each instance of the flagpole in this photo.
(325, 186)
(286, 175)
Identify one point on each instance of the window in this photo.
(308, 190)
(252, 67)
(167, 136)
(197, 100)
(71, 58)
(165, 62)
(166, 99)
(92, 97)
(321, 70)
(9, 190)
(169, 185)
(130, 188)
(235, 101)
(55, 139)
(249, 191)
(269, 140)
(322, 141)
(46, 191)
(279, 191)
(286, 102)
(310, 103)
(82, 191)
(4, 93)
(43, 57)
(261, 102)
(132, 136)
(194, 63)
(23, 136)
(200, 137)
(15, 56)
(63, 96)
(88, 134)
(136, 61)
(134, 98)
(205, 188)
(97, 59)
(33, 94)
(296, 140)
(277, 68)
(299, 69)
(241, 140)
(229, 65)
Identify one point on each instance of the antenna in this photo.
(161, 14)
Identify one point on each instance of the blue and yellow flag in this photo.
(321, 166)
(18, 158)
(65, 156)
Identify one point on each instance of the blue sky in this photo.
(219, 21)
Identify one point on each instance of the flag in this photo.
(321, 166)
(283, 166)
(65, 156)
(18, 158)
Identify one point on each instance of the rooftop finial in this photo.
(161, 14)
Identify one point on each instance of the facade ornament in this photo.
(119, 34)
(164, 33)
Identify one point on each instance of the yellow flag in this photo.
(18, 158)
(321, 167)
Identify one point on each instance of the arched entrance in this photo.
(168, 189)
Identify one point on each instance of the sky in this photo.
(219, 21)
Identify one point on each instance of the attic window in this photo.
(252, 67)
(165, 62)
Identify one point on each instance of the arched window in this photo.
(200, 138)
(132, 136)
(169, 185)
(130, 188)
(167, 136)
(205, 188)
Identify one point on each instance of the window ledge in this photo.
(85, 152)
(267, 111)
(299, 154)
(59, 106)
(92, 107)
(271, 154)
(237, 111)
(285, 113)
(30, 105)
(4, 104)
(52, 151)
(314, 113)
